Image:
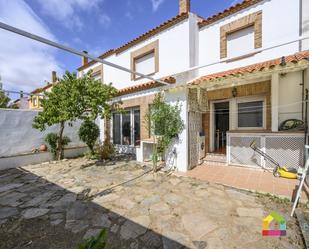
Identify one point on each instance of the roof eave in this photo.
(169, 23)
(227, 12)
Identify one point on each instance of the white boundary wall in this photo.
(35, 158)
(18, 137)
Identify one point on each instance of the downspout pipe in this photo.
(303, 95)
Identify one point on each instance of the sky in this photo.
(91, 25)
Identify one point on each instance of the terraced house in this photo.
(237, 75)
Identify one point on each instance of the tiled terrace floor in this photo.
(55, 205)
(247, 178)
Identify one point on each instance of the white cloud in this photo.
(156, 4)
(104, 20)
(128, 15)
(66, 11)
(77, 40)
(24, 64)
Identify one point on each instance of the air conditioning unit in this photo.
(202, 147)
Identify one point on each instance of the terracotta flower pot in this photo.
(43, 147)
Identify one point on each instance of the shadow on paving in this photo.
(35, 213)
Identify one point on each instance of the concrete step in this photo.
(215, 159)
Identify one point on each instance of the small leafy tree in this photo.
(52, 138)
(89, 133)
(73, 98)
(4, 100)
(165, 122)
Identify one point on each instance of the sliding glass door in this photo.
(116, 128)
(126, 127)
(137, 128)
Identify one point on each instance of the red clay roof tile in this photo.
(255, 67)
(169, 23)
(144, 86)
(42, 89)
(102, 56)
(229, 11)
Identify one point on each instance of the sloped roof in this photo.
(169, 23)
(144, 86)
(295, 58)
(229, 11)
(102, 56)
(41, 89)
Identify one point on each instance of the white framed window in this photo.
(126, 127)
(240, 42)
(34, 101)
(146, 64)
(145, 60)
(251, 113)
(97, 76)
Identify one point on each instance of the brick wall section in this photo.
(254, 19)
(184, 6)
(143, 103)
(261, 88)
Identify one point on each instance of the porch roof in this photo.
(145, 86)
(258, 67)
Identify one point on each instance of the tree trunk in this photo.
(59, 146)
(107, 129)
(154, 154)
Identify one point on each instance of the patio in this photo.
(73, 199)
(255, 180)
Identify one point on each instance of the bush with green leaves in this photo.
(105, 150)
(4, 100)
(89, 133)
(52, 139)
(164, 120)
(99, 242)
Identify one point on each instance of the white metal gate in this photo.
(286, 148)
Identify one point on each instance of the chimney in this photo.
(84, 59)
(54, 77)
(184, 6)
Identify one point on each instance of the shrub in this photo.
(89, 133)
(52, 140)
(165, 121)
(100, 242)
(105, 150)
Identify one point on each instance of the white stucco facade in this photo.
(185, 46)
(173, 56)
(276, 29)
(176, 156)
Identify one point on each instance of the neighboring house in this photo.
(243, 98)
(38, 94)
(21, 103)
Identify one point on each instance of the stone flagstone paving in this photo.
(152, 211)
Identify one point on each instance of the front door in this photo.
(221, 115)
